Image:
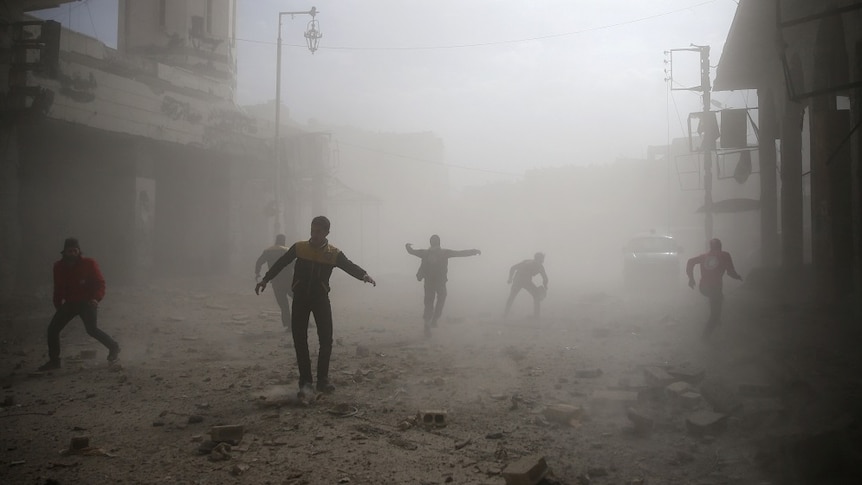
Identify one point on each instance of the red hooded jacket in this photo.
(78, 282)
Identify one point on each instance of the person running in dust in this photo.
(78, 288)
(315, 260)
(521, 277)
(713, 265)
(434, 270)
(281, 285)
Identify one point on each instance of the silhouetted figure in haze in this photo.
(78, 288)
(434, 270)
(281, 285)
(315, 260)
(713, 265)
(521, 278)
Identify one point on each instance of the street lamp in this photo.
(312, 39)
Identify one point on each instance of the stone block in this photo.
(612, 400)
(690, 399)
(432, 418)
(642, 422)
(687, 373)
(79, 443)
(588, 373)
(227, 433)
(678, 388)
(562, 413)
(704, 423)
(529, 470)
(657, 377)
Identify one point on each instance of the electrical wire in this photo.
(491, 43)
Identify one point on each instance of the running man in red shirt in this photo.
(713, 265)
(78, 288)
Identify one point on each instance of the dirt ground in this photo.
(196, 355)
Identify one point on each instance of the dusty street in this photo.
(194, 357)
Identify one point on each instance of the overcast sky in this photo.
(507, 85)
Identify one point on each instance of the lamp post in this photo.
(312, 39)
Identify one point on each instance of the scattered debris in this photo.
(463, 444)
(221, 452)
(529, 470)
(403, 443)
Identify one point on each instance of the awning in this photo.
(750, 58)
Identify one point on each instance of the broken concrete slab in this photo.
(690, 373)
(678, 388)
(610, 399)
(529, 470)
(690, 399)
(562, 413)
(657, 377)
(642, 422)
(704, 423)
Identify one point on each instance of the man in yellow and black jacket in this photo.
(315, 260)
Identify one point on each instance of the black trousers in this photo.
(532, 289)
(716, 298)
(434, 290)
(282, 296)
(64, 315)
(303, 307)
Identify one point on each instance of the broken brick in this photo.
(227, 433)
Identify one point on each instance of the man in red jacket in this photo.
(78, 288)
(713, 265)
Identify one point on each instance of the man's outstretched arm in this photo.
(419, 253)
(452, 253)
(353, 269)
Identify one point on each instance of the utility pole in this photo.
(708, 130)
(312, 39)
(707, 140)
